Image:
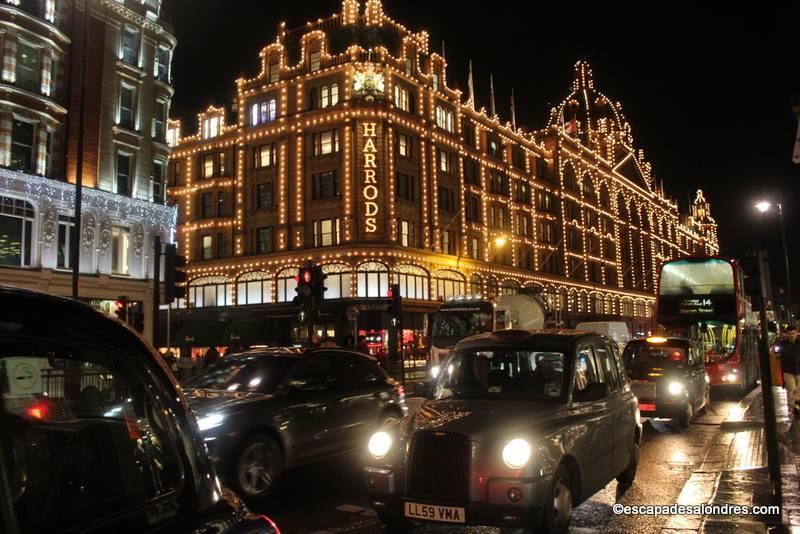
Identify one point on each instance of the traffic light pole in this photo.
(770, 420)
(156, 286)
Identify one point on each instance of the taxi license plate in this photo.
(647, 407)
(430, 512)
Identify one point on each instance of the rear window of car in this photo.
(649, 354)
(245, 373)
(90, 437)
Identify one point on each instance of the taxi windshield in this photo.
(650, 354)
(518, 374)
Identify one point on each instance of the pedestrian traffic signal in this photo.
(395, 307)
(122, 308)
(174, 274)
(305, 294)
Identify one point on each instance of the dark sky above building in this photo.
(706, 86)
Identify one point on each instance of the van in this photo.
(616, 330)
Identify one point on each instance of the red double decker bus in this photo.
(703, 299)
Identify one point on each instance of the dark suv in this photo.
(95, 435)
(520, 427)
(263, 411)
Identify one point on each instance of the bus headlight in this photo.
(516, 453)
(675, 388)
(379, 444)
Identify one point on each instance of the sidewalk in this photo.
(734, 472)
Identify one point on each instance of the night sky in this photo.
(706, 87)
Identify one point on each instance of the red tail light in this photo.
(38, 411)
(676, 356)
(401, 392)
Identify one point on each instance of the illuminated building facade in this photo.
(125, 153)
(350, 149)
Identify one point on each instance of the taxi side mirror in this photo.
(592, 392)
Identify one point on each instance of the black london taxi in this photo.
(95, 434)
(668, 377)
(518, 428)
(263, 411)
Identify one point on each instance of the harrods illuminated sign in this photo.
(370, 185)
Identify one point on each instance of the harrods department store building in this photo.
(351, 149)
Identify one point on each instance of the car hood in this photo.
(204, 400)
(484, 419)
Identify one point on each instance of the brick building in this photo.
(125, 151)
(350, 149)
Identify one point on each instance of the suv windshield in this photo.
(245, 373)
(506, 373)
(647, 354)
(460, 324)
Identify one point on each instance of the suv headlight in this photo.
(516, 453)
(379, 444)
(210, 421)
(675, 388)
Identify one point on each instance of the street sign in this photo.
(352, 313)
(25, 376)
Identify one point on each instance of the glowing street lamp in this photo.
(764, 206)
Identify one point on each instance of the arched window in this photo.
(569, 177)
(588, 189)
(623, 208)
(254, 288)
(627, 307)
(413, 282)
(605, 200)
(339, 281)
(210, 291)
(287, 284)
(509, 287)
(597, 304)
(609, 304)
(475, 284)
(450, 284)
(635, 215)
(492, 288)
(373, 280)
(639, 308)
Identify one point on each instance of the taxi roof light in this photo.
(656, 339)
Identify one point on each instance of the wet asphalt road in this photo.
(330, 497)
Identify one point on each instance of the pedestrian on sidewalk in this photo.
(789, 350)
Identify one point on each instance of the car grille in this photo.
(438, 468)
(643, 389)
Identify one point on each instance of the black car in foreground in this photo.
(520, 427)
(263, 411)
(95, 435)
(668, 377)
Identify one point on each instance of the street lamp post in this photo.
(764, 206)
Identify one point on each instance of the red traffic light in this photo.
(297, 278)
(307, 277)
(390, 293)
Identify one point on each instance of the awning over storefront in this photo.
(247, 332)
(200, 334)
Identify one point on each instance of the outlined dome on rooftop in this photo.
(589, 110)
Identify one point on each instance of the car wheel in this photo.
(258, 467)
(686, 417)
(395, 525)
(558, 507)
(627, 477)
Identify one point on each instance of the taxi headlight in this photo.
(435, 371)
(675, 388)
(516, 453)
(379, 444)
(708, 379)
